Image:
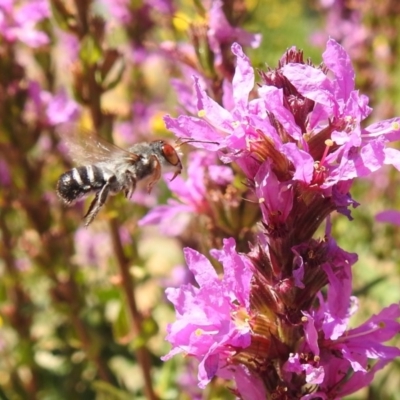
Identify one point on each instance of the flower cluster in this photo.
(357, 25)
(19, 23)
(300, 144)
(175, 216)
(271, 310)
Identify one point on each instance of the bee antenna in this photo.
(181, 141)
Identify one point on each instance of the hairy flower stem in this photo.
(85, 340)
(128, 286)
(95, 96)
(92, 96)
(20, 301)
(63, 292)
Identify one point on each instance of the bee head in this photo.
(171, 153)
(171, 156)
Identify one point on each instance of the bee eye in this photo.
(170, 154)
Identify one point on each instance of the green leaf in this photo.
(121, 326)
(90, 52)
(61, 17)
(106, 391)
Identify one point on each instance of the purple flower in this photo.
(178, 276)
(138, 20)
(221, 33)
(138, 127)
(389, 216)
(187, 380)
(5, 176)
(275, 197)
(307, 122)
(344, 23)
(352, 358)
(175, 216)
(93, 248)
(61, 109)
(248, 386)
(118, 10)
(48, 109)
(162, 6)
(208, 58)
(300, 143)
(216, 123)
(126, 13)
(18, 23)
(314, 374)
(231, 326)
(35, 107)
(212, 319)
(68, 48)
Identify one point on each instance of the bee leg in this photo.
(156, 175)
(132, 185)
(98, 201)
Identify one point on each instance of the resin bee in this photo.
(106, 169)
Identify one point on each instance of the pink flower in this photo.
(49, 109)
(173, 217)
(62, 109)
(69, 47)
(18, 23)
(5, 176)
(344, 23)
(389, 216)
(351, 359)
(306, 121)
(212, 318)
(267, 324)
(93, 248)
(221, 33)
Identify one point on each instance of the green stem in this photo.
(128, 286)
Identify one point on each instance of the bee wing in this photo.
(86, 147)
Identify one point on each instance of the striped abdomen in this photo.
(78, 182)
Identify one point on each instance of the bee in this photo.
(106, 169)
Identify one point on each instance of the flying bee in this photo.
(106, 169)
